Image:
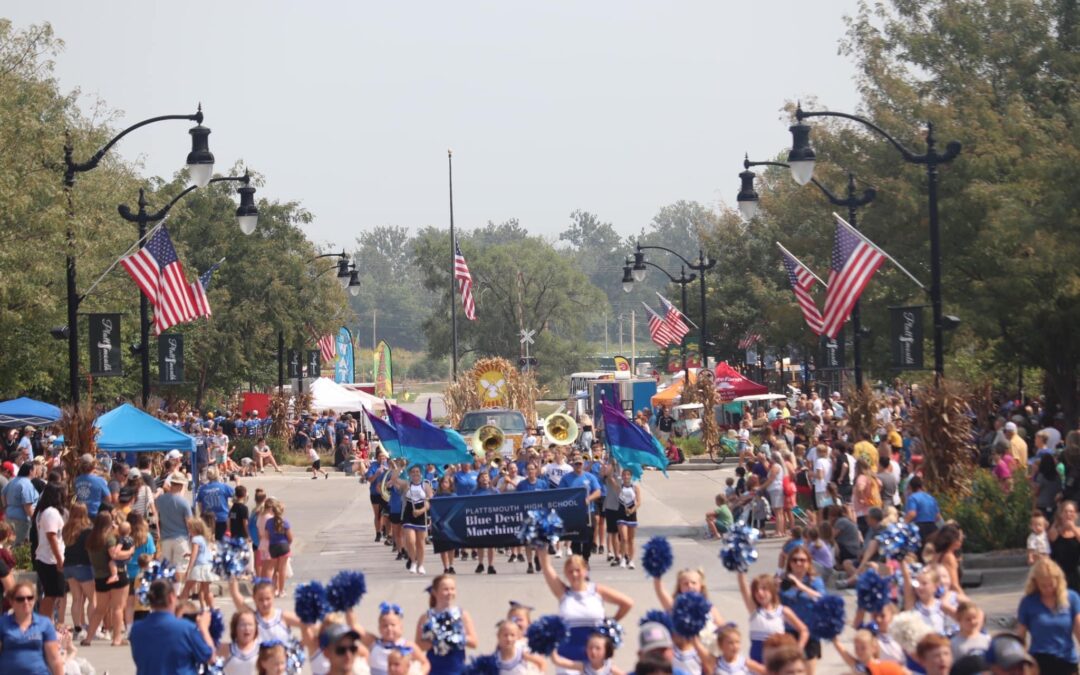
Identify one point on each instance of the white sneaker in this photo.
(421, 570)
(412, 568)
(558, 553)
(630, 564)
(622, 563)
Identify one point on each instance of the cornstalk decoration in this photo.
(279, 413)
(862, 407)
(704, 390)
(942, 422)
(463, 394)
(80, 438)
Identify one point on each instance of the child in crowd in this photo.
(867, 657)
(598, 652)
(760, 511)
(1038, 544)
(720, 519)
(124, 539)
(731, 660)
(767, 616)
(729, 488)
(795, 540)
(239, 517)
(970, 638)
(821, 551)
(511, 651)
(141, 611)
(199, 570)
(401, 661)
(740, 481)
(920, 595)
(316, 463)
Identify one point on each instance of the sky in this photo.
(618, 107)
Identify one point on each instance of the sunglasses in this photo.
(23, 598)
(344, 649)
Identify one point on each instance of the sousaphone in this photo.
(561, 429)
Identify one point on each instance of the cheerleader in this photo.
(629, 503)
(686, 652)
(731, 661)
(520, 614)
(511, 653)
(273, 624)
(919, 595)
(242, 652)
(415, 502)
(445, 658)
(581, 603)
(599, 649)
(389, 640)
(867, 657)
(767, 615)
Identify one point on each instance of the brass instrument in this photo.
(384, 484)
(561, 429)
(488, 438)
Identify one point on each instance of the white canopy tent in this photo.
(329, 395)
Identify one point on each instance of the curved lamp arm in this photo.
(661, 248)
(127, 214)
(952, 149)
(852, 201)
(682, 279)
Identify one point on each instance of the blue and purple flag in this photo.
(422, 442)
(630, 445)
(386, 432)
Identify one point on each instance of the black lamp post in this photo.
(200, 163)
(639, 269)
(802, 157)
(748, 206)
(682, 280)
(247, 215)
(348, 277)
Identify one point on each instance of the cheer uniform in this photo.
(627, 500)
(239, 663)
(273, 628)
(736, 667)
(379, 655)
(516, 664)
(414, 499)
(688, 659)
(452, 662)
(602, 670)
(582, 611)
(764, 623)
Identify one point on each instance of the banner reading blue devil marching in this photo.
(343, 364)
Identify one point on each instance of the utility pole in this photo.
(621, 350)
(633, 343)
(373, 343)
(607, 351)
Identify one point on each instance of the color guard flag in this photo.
(630, 445)
(854, 261)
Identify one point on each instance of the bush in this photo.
(691, 446)
(242, 447)
(23, 561)
(991, 518)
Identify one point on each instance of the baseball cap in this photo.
(972, 664)
(178, 479)
(134, 473)
(653, 635)
(173, 454)
(8, 466)
(1010, 426)
(334, 632)
(126, 495)
(1007, 651)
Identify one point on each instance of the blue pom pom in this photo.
(541, 528)
(483, 665)
(658, 616)
(690, 614)
(217, 625)
(545, 634)
(611, 629)
(311, 605)
(445, 631)
(656, 556)
(872, 591)
(345, 590)
(738, 552)
(295, 656)
(898, 540)
(214, 667)
(828, 617)
(231, 557)
(157, 569)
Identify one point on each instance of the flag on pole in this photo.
(675, 319)
(158, 273)
(630, 445)
(327, 345)
(749, 340)
(199, 289)
(659, 330)
(464, 278)
(386, 432)
(854, 261)
(802, 281)
(423, 443)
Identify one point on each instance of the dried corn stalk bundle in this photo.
(279, 413)
(303, 403)
(80, 435)
(463, 394)
(943, 424)
(862, 408)
(704, 392)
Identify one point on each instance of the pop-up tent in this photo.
(730, 384)
(329, 395)
(672, 395)
(128, 429)
(22, 411)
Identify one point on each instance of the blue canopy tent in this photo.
(128, 429)
(22, 411)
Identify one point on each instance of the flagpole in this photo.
(633, 343)
(453, 262)
(823, 284)
(881, 251)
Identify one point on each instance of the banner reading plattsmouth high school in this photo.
(343, 362)
(384, 371)
(493, 521)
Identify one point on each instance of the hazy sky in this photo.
(618, 107)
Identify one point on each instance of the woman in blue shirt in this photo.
(1050, 613)
(800, 588)
(28, 639)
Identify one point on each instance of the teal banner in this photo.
(343, 362)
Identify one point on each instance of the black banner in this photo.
(293, 361)
(831, 353)
(314, 367)
(105, 345)
(493, 521)
(906, 337)
(170, 348)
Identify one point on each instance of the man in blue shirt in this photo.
(213, 497)
(464, 480)
(19, 497)
(90, 488)
(577, 478)
(162, 643)
(921, 508)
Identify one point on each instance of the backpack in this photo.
(874, 499)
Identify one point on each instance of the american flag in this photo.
(854, 261)
(675, 319)
(327, 345)
(659, 330)
(461, 273)
(199, 289)
(160, 276)
(749, 340)
(802, 281)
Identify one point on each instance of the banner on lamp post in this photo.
(906, 337)
(831, 353)
(105, 345)
(314, 367)
(171, 358)
(294, 363)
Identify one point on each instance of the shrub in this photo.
(242, 447)
(691, 446)
(991, 518)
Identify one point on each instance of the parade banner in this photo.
(831, 353)
(294, 363)
(170, 358)
(343, 362)
(906, 337)
(314, 364)
(493, 521)
(105, 345)
(384, 371)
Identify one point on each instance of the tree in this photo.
(391, 293)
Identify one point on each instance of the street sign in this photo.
(527, 337)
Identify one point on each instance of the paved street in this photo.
(332, 523)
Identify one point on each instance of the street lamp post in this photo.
(682, 280)
(748, 205)
(802, 157)
(247, 216)
(200, 162)
(704, 263)
(348, 277)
